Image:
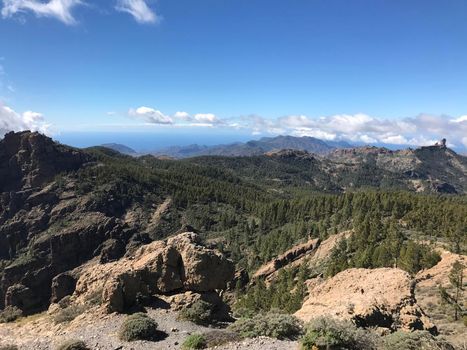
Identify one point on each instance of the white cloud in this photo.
(139, 9)
(420, 130)
(59, 9)
(13, 121)
(182, 116)
(311, 132)
(461, 119)
(150, 115)
(206, 118)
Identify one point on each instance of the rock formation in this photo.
(286, 258)
(177, 265)
(315, 253)
(382, 297)
(29, 159)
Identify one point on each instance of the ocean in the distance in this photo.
(150, 141)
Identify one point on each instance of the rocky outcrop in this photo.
(428, 297)
(381, 297)
(63, 285)
(29, 159)
(287, 258)
(54, 252)
(315, 253)
(177, 265)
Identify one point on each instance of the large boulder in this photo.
(381, 297)
(176, 265)
(63, 285)
(22, 297)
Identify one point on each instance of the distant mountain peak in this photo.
(120, 148)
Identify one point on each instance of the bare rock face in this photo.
(176, 265)
(30, 159)
(381, 297)
(63, 285)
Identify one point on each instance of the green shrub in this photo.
(274, 325)
(73, 345)
(328, 333)
(418, 340)
(464, 319)
(194, 341)
(218, 337)
(8, 347)
(138, 326)
(69, 313)
(200, 312)
(10, 314)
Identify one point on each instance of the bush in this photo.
(200, 312)
(194, 341)
(218, 337)
(464, 319)
(69, 313)
(73, 345)
(10, 314)
(418, 340)
(325, 333)
(274, 325)
(138, 326)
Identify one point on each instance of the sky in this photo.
(366, 71)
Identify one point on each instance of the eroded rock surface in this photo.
(176, 265)
(381, 297)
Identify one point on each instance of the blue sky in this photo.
(375, 71)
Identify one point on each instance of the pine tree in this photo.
(456, 277)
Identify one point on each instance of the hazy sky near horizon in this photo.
(372, 71)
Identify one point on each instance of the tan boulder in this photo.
(178, 264)
(381, 297)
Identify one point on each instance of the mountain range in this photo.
(96, 233)
(243, 149)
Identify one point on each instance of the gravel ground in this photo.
(100, 333)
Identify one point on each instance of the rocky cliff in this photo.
(29, 160)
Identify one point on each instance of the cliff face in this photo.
(45, 228)
(29, 159)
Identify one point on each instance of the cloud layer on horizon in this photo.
(62, 9)
(423, 129)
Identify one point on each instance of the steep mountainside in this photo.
(432, 168)
(428, 169)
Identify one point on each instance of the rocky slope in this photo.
(382, 298)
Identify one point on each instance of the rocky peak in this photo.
(30, 159)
